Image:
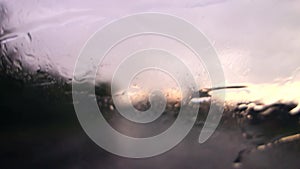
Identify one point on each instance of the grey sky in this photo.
(257, 41)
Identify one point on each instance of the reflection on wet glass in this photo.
(40, 41)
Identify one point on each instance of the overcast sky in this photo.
(257, 41)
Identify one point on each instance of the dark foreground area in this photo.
(39, 129)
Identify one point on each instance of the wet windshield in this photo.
(222, 76)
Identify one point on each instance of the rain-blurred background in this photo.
(258, 46)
